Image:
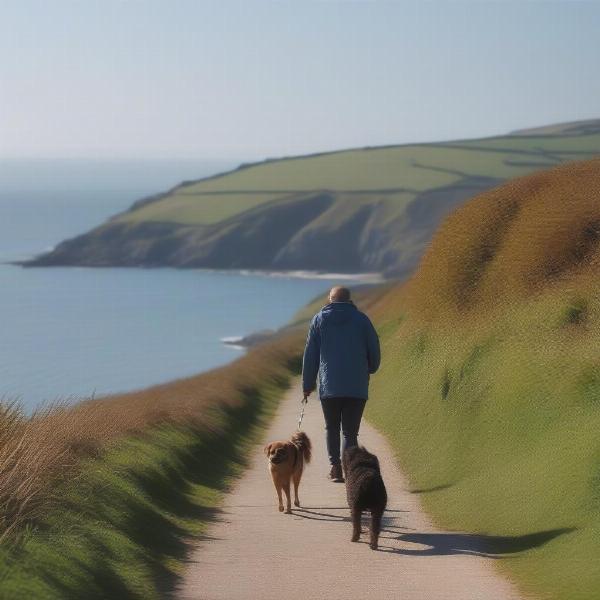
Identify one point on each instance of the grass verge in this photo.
(495, 420)
(119, 528)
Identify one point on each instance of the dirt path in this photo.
(253, 552)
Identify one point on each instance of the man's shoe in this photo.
(336, 474)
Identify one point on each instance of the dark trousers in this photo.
(344, 413)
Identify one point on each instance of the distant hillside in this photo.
(362, 210)
(588, 127)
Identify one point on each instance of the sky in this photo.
(253, 79)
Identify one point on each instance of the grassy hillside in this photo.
(588, 126)
(370, 209)
(490, 387)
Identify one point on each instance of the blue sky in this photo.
(253, 79)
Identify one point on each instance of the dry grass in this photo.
(38, 450)
(28, 452)
(514, 241)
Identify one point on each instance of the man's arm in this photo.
(373, 350)
(310, 362)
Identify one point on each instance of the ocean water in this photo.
(69, 333)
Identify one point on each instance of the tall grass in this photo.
(120, 528)
(515, 241)
(39, 452)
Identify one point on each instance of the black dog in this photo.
(365, 490)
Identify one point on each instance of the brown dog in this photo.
(286, 463)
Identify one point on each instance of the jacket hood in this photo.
(338, 312)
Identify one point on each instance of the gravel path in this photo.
(253, 552)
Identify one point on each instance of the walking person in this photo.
(342, 348)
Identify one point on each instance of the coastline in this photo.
(372, 277)
(369, 277)
(60, 342)
(244, 342)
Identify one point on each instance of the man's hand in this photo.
(306, 395)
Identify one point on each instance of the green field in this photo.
(364, 173)
(496, 424)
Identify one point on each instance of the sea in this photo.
(72, 333)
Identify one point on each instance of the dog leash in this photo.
(303, 403)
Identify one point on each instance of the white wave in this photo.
(299, 274)
(232, 339)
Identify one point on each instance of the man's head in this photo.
(339, 294)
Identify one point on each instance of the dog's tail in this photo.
(302, 442)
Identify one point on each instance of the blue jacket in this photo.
(343, 349)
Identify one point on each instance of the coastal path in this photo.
(253, 552)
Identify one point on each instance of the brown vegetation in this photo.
(513, 241)
(36, 450)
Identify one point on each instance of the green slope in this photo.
(362, 172)
(371, 209)
(497, 427)
(489, 389)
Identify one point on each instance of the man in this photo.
(343, 349)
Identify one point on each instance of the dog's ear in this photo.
(267, 448)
